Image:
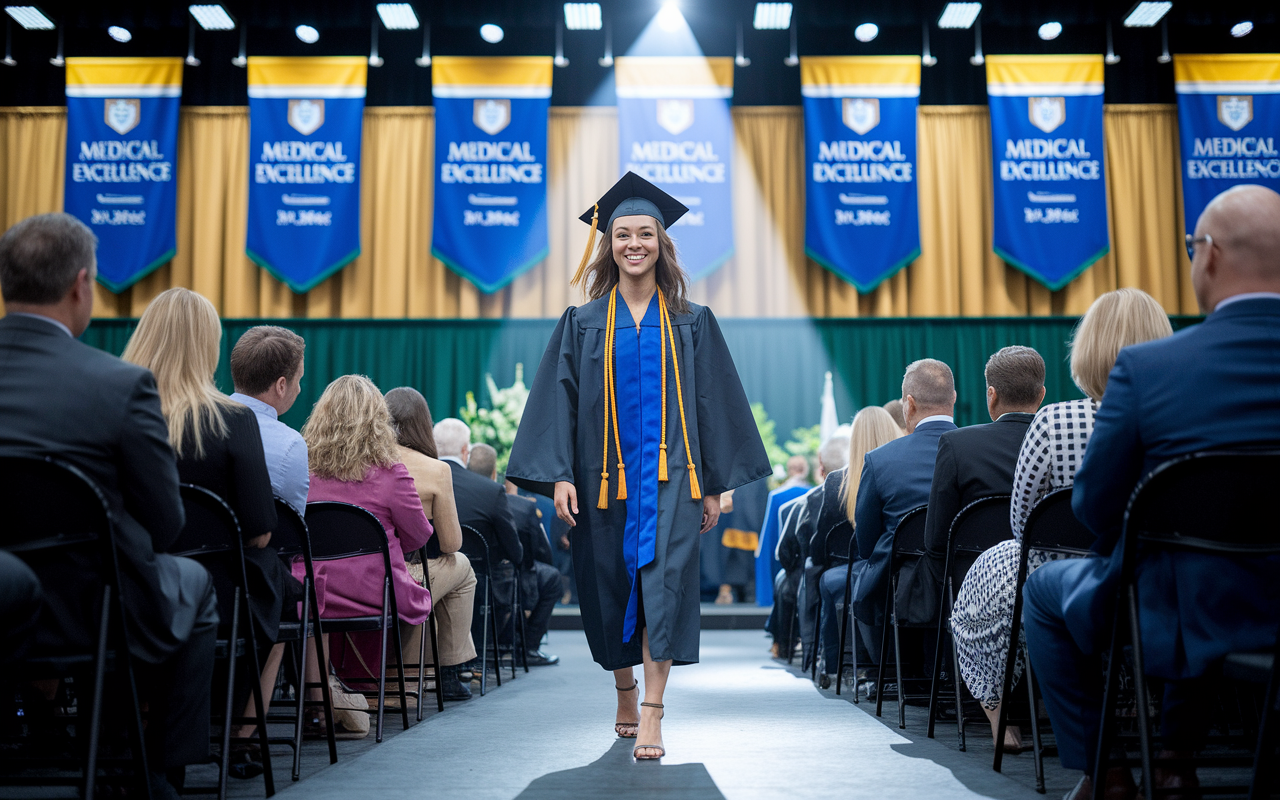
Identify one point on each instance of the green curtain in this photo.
(781, 361)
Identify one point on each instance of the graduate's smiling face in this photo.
(635, 244)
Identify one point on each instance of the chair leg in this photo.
(524, 643)
(897, 671)
(1037, 744)
(934, 685)
(136, 733)
(382, 660)
(399, 654)
(1010, 663)
(484, 637)
(1106, 726)
(817, 642)
(302, 679)
(322, 667)
(435, 664)
(497, 654)
(884, 648)
(225, 761)
(1140, 688)
(95, 713)
(260, 717)
(955, 659)
(791, 632)
(429, 622)
(844, 628)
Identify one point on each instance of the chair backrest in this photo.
(978, 527)
(1209, 502)
(908, 537)
(838, 540)
(211, 525)
(1052, 526)
(343, 530)
(49, 503)
(476, 548)
(289, 537)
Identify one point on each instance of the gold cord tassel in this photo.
(662, 463)
(694, 488)
(603, 502)
(622, 482)
(586, 255)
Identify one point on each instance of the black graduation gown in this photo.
(560, 440)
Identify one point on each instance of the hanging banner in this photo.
(122, 142)
(305, 116)
(674, 130)
(1228, 123)
(491, 157)
(1046, 140)
(861, 215)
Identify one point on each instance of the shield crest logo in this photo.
(491, 116)
(1235, 111)
(305, 116)
(1047, 113)
(122, 116)
(675, 116)
(860, 114)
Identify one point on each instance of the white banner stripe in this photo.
(300, 92)
(861, 90)
(124, 90)
(490, 91)
(1044, 89)
(1227, 87)
(676, 92)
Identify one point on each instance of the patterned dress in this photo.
(1051, 453)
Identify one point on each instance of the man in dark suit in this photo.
(1210, 387)
(973, 462)
(895, 479)
(61, 398)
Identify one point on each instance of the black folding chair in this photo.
(1261, 668)
(212, 537)
(430, 631)
(477, 551)
(343, 530)
(908, 545)
(1208, 504)
(978, 527)
(55, 515)
(291, 541)
(1051, 527)
(835, 550)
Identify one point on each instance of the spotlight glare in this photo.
(959, 15)
(583, 17)
(307, 34)
(30, 17)
(491, 33)
(119, 34)
(772, 16)
(669, 17)
(866, 31)
(212, 17)
(1147, 14)
(1050, 30)
(1241, 29)
(398, 16)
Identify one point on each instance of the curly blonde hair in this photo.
(349, 431)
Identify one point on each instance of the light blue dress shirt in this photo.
(286, 454)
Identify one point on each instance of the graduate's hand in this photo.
(710, 512)
(566, 501)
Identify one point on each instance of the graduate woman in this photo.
(635, 424)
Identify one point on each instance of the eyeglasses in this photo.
(1192, 241)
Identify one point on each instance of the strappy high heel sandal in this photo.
(627, 730)
(662, 750)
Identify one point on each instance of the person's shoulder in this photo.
(593, 314)
(1064, 410)
(420, 462)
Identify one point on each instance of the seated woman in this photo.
(1051, 452)
(453, 582)
(219, 448)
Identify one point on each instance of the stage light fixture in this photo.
(959, 15)
(491, 33)
(772, 16)
(583, 17)
(1146, 14)
(397, 16)
(1050, 30)
(307, 34)
(866, 31)
(212, 17)
(1241, 29)
(669, 17)
(30, 18)
(121, 35)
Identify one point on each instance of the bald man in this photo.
(1215, 386)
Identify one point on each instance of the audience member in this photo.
(819, 520)
(738, 533)
(1051, 452)
(782, 624)
(973, 462)
(767, 566)
(453, 582)
(1210, 387)
(894, 407)
(59, 397)
(482, 504)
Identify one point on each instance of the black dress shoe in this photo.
(452, 685)
(537, 658)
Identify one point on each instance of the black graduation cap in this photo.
(630, 195)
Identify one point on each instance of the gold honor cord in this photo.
(695, 491)
(611, 404)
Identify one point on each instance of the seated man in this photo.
(59, 397)
(1209, 387)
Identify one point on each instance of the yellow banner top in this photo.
(673, 76)
(1244, 73)
(1044, 75)
(136, 77)
(348, 71)
(491, 71)
(862, 70)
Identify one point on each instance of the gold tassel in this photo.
(586, 255)
(603, 502)
(694, 488)
(662, 463)
(622, 482)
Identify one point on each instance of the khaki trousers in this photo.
(453, 590)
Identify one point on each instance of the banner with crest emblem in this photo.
(674, 130)
(305, 119)
(491, 157)
(1228, 125)
(1047, 148)
(122, 142)
(861, 211)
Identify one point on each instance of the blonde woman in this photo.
(1051, 452)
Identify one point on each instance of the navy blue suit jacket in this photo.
(1215, 386)
(895, 479)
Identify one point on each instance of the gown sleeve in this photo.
(543, 452)
(728, 440)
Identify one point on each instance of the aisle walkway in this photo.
(740, 726)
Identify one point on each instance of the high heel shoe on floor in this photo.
(662, 750)
(632, 728)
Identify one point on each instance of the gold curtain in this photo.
(957, 273)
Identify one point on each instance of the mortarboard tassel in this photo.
(586, 255)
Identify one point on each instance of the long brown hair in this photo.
(671, 277)
(412, 418)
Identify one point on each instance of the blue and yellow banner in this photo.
(1047, 148)
(861, 211)
(491, 162)
(674, 130)
(305, 117)
(122, 142)
(1228, 123)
